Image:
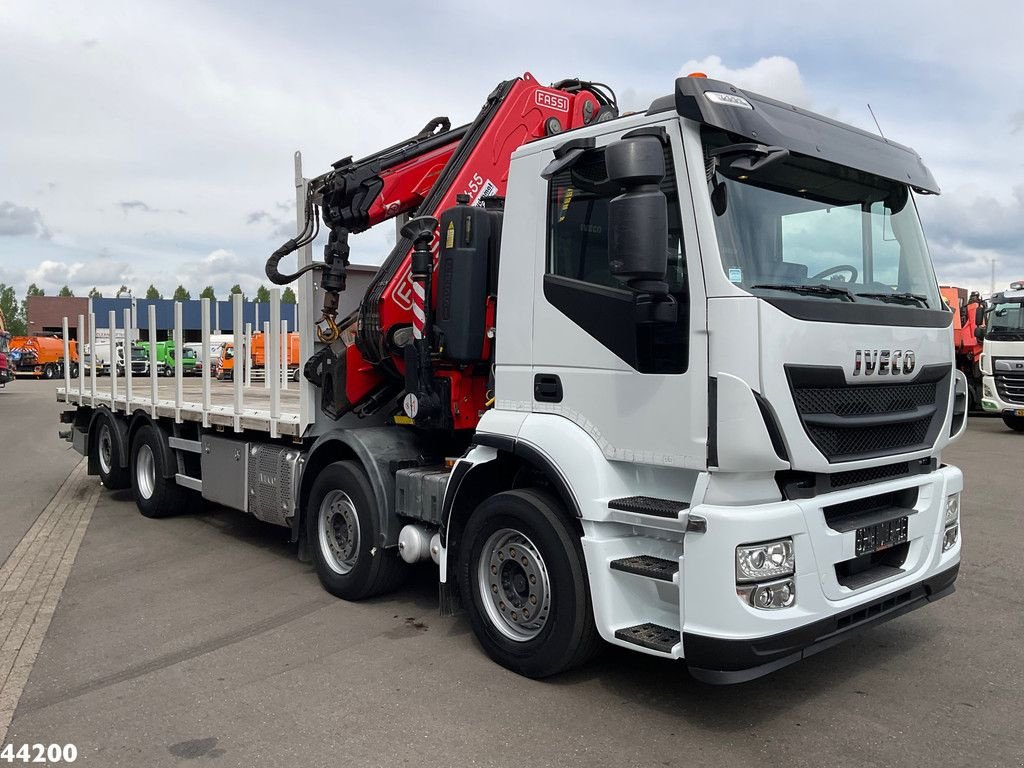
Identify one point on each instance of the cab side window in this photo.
(580, 284)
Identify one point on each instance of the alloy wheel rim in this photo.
(514, 585)
(106, 450)
(145, 471)
(339, 534)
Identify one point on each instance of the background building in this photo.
(44, 314)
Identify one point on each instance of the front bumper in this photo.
(725, 639)
(992, 402)
(722, 661)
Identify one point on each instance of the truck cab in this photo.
(1002, 358)
(719, 329)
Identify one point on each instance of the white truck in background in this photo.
(612, 382)
(1002, 357)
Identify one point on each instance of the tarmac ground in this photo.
(203, 638)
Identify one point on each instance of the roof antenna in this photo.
(876, 121)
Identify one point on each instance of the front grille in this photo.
(1009, 381)
(858, 421)
(868, 475)
(859, 401)
(846, 443)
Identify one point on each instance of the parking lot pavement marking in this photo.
(32, 580)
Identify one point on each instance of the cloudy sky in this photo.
(151, 142)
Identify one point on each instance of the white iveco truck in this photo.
(1002, 357)
(680, 381)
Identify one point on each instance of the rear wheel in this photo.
(344, 533)
(155, 494)
(1016, 423)
(523, 580)
(108, 458)
(49, 371)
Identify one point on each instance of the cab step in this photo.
(649, 505)
(652, 636)
(648, 565)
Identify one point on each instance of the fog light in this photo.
(763, 562)
(777, 594)
(949, 538)
(952, 509)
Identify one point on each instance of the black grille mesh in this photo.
(869, 475)
(856, 441)
(861, 401)
(864, 437)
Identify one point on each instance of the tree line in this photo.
(16, 312)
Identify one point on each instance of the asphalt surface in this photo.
(33, 463)
(202, 640)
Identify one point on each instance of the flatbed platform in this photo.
(255, 414)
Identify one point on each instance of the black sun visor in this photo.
(771, 122)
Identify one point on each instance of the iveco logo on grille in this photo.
(883, 362)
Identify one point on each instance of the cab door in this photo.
(640, 389)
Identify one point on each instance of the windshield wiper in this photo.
(898, 298)
(810, 290)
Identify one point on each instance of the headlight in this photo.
(952, 509)
(763, 562)
(951, 520)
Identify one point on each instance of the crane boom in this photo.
(425, 175)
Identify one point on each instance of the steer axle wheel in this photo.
(1016, 423)
(343, 529)
(523, 580)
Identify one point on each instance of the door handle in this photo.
(547, 388)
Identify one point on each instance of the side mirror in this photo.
(638, 218)
(979, 333)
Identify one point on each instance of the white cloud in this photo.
(777, 77)
(18, 220)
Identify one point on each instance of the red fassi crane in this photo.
(448, 373)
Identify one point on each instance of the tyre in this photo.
(344, 534)
(74, 370)
(295, 375)
(1016, 423)
(155, 495)
(523, 581)
(49, 371)
(108, 457)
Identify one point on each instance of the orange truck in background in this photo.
(41, 357)
(968, 314)
(259, 354)
(226, 364)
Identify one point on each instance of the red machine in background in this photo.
(968, 316)
(448, 372)
(6, 370)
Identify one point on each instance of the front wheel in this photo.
(1016, 423)
(49, 371)
(523, 580)
(344, 533)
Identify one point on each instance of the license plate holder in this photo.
(883, 535)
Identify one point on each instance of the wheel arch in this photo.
(497, 463)
(376, 449)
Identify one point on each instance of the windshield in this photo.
(1006, 321)
(139, 353)
(4, 339)
(813, 230)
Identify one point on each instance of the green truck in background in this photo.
(165, 358)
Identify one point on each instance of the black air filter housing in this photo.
(468, 257)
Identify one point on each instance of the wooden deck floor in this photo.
(255, 413)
